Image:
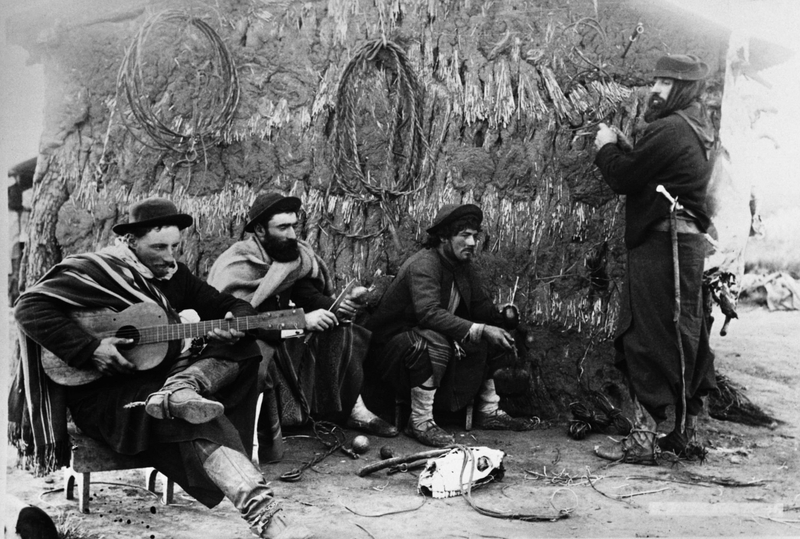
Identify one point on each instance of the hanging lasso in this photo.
(213, 98)
(405, 148)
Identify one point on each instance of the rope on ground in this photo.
(588, 475)
(331, 436)
(562, 478)
(466, 492)
(387, 513)
(365, 530)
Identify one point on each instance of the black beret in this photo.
(450, 212)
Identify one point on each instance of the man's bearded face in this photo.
(655, 108)
(658, 98)
(279, 238)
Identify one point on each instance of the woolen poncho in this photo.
(98, 408)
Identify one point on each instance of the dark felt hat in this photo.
(266, 203)
(681, 67)
(450, 212)
(153, 212)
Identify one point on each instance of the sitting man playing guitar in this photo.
(197, 422)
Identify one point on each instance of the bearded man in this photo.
(662, 340)
(320, 374)
(435, 328)
(190, 415)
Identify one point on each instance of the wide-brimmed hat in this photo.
(681, 67)
(153, 212)
(450, 212)
(270, 203)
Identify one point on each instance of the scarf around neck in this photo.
(120, 249)
(246, 271)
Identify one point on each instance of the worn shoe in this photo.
(430, 434)
(183, 403)
(500, 420)
(279, 528)
(674, 442)
(376, 426)
(639, 447)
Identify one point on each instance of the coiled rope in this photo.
(214, 96)
(466, 492)
(405, 148)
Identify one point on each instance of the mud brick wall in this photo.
(452, 101)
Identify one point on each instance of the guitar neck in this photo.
(172, 332)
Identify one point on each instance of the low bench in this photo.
(90, 455)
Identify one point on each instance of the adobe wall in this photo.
(508, 95)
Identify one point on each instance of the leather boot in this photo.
(362, 419)
(677, 441)
(180, 396)
(243, 484)
(489, 415)
(421, 424)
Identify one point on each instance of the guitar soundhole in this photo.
(128, 332)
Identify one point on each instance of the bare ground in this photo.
(545, 471)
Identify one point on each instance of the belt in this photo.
(686, 225)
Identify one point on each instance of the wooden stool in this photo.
(90, 455)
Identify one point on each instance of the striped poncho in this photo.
(37, 409)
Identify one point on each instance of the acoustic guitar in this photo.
(149, 327)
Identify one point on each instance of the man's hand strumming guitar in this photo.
(107, 359)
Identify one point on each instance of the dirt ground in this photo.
(545, 471)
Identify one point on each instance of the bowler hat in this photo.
(266, 203)
(681, 67)
(450, 212)
(152, 212)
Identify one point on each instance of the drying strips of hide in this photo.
(461, 469)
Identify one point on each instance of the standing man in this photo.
(273, 268)
(672, 157)
(435, 328)
(197, 420)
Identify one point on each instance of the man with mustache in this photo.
(674, 151)
(324, 369)
(198, 405)
(435, 327)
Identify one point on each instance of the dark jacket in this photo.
(418, 297)
(305, 294)
(670, 153)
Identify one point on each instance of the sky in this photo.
(22, 98)
(777, 183)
